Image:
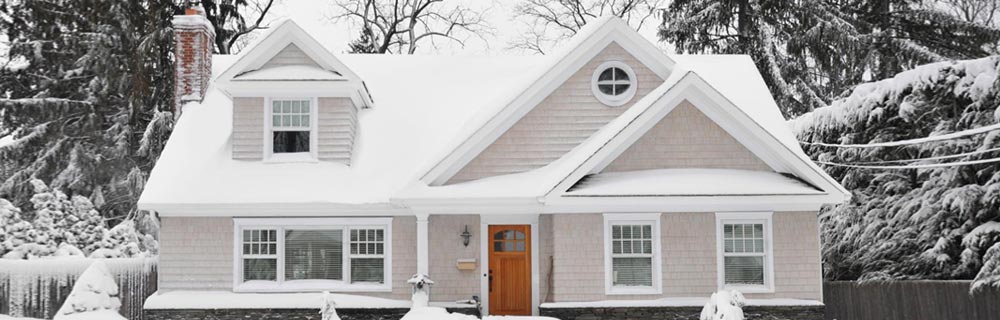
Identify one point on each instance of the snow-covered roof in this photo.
(428, 105)
(422, 101)
(689, 182)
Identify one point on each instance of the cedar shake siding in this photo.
(290, 56)
(560, 122)
(686, 138)
(445, 249)
(689, 264)
(337, 126)
(338, 120)
(196, 253)
(248, 129)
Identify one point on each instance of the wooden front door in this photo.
(510, 270)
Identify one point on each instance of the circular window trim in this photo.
(611, 100)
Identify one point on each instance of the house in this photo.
(607, 178)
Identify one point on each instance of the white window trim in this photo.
(610, 100)
(280, 285)
(269, 155)
(746, 217)
(611, 219)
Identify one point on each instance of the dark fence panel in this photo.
(37, 288)
(909, 300)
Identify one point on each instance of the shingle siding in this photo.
(196, 253)
(338, 120)
(248, 128)
(687, 138)
(290, 56)
(689, 262)
(560, 122)
(445, 248)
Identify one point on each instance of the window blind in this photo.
(314, 254)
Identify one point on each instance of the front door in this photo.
(510, 270)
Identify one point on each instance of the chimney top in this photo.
(194, 9)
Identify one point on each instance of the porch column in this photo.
(423, 256)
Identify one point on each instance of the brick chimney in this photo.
(194, 39)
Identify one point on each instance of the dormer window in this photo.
(292, 124)
(613, 83)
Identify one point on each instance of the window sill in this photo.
(310, 286)
(749, 288)
(626, 290)
(298, 157)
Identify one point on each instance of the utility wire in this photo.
(919, 166)
(949, 136)
(952, 156)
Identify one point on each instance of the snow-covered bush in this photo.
(67, 226)
(328, 310)
(933, 222)
(724, 305)
(95, 293)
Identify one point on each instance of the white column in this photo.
(423, 255)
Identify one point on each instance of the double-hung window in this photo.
(291, 126)
(632, 253)
(745, 254)
(312, 254)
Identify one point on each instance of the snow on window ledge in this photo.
(623, 290)
(311, 286)
(296, 157)
(749, 288)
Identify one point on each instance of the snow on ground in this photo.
(226, 299)
(435, 313)
(6, 317)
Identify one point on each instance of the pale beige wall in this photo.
(689, 262)
(560, 122)
(196, 253)
(545, 254)
(338, 120)
(686, 138)
(248, 128)
(290, 56)
(445, 248)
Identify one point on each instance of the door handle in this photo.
(491, 280)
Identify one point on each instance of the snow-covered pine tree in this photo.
(809, 52)
(928, 223)
(10, 216)
(89, 103)
(122, 241)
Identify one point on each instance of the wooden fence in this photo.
(37, 288)
(909, 300)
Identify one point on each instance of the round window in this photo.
(613, 83)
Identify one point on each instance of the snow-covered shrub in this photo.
(122, 241)
(20, 239)
(724, 305)
(328, 310)
(95, 292)
(920, 223)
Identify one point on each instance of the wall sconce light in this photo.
(466, 236)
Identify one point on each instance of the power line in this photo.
(949, 136)
(919, 166)
(952, 156)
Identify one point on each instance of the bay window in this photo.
(632, 253)
(312, 254)
(745, 254)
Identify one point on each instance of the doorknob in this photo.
(491, 280)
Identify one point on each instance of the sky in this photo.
(315, 17)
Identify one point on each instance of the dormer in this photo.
(293, 101)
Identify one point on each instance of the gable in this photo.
(291, 55)
(560, 122)
(686, 138)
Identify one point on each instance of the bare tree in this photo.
(234, 20)
(984, 12)
(399, 26)
(552, 21)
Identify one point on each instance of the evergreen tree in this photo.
(810, 52)
(365, 43)
(923, 223)
(89, 102)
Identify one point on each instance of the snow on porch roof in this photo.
(689, 182)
